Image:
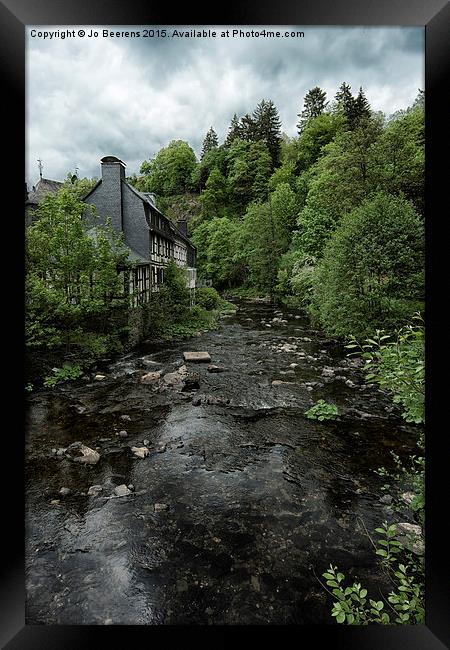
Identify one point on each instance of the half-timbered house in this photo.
(150, 236)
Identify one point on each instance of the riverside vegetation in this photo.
(330, 222)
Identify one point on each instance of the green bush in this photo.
(207, 297)
(372, 272)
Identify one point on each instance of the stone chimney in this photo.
(182, 226)
(113, 173)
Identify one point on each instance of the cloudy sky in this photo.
(90, 97)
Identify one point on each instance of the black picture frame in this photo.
(434, 16)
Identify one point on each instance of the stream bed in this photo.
(239, 502)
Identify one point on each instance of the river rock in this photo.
(125, 417)
(177, 378)
(79, 453)
(386, 499)
(94, 490)
(328, 372)
(213, 368)
(197, 357)
(140, 452)
(197, 400)
(122, 434)
(64, 491)
(288, 347)
(122, 490)
(150, 377)
(278, 382)
(99, 377)
(408, 497)
(192, 381)
(293, 365)
(217, 401)
(410, 535)
(159, 507)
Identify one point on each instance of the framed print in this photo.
(220, 286)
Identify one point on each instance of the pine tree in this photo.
(209, 142)
(345, 101)
(361, 107)
(248, 128)
(267, 127)
(314, 105)
(234, 132)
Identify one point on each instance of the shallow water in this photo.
(237, 506)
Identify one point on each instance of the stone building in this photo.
(151, 237)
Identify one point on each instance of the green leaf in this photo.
(340, 617)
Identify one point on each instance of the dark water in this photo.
(252, 498)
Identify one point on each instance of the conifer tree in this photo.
(361, 107)
(314, 105)
(234, 132)
(267, 127)
(209, 142)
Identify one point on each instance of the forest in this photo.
(330, 221)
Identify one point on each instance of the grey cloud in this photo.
(130, 97)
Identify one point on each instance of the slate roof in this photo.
(43, 186)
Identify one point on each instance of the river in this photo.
(241, 501)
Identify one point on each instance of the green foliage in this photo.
(396, 362)
(371, 275)
(173, 295)
(170, 171)
(405, 601)
(314, 105)
(322, 411)
(397, 158)
(72, 271)
(60, 375)
(207, 297)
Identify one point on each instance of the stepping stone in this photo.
(197, 357)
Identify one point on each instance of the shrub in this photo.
(207, 297)
(372, 273)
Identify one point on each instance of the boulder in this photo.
(140, 452)
(197, 357)
(79, 453)
(122, 490)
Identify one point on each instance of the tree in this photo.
(340, 183)
(266, 125)
(235, 131)
(397, 158)
(214, 197)
(372, 271)
(72, 270)
(317, 133)
(345, 101)
(314, 105)
(361, 108)
(170, 171)
(249, 165)
(209, 142)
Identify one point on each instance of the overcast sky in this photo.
(129, 97)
